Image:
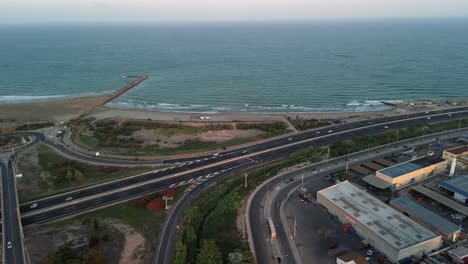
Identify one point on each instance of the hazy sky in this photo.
(25, 11)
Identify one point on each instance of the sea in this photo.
(261, 67)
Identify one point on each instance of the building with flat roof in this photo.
(457, 188)
(351, 257)
(456, 152)
(387, 230)
(459, 255)
(426, 217)
(411, 171)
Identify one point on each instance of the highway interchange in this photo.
(189, 170)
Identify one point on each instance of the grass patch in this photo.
(65, 174)
(115, 137)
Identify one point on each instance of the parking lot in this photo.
(317, 232)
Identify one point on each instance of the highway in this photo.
(261, 206)
(203, 166)
(13, 247)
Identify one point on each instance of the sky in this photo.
(91, 11)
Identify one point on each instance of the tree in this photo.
(65, 255)
(209, 253)
(95, 256)
(238, 257)
(181, 253)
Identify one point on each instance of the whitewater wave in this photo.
(11, 99)
(369, 105)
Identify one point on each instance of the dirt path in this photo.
(134, 242)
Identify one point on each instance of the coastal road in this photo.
(280, 147)
(264, 201)
(197, 168)
(13, 243)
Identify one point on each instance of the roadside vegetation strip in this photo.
(136, 214)
(116, 136)
(212, 216)
(53, 173)
(391, 136)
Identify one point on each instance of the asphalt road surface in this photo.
(93, 197)
(13, 248)
(259, 208)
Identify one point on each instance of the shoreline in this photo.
(66, 109)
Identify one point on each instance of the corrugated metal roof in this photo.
(458, 185)
(425, 215)
(401, 169)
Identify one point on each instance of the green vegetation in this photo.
(212, 217)
(302, 124)
(65, 173)
(357, 144)
(34, 126)
(65, 254)
(9, 141)
(117, 137)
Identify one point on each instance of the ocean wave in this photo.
(40, 98)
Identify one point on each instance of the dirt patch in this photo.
(34, 180)
(134, 244)
(151, 137)
(240, 220)
(224, 135)
(45, 240)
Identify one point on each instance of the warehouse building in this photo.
(387, 230)
(428, 218)
(456, 152)
(457, 188)
(411, 171)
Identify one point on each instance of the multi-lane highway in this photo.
(13, 247)
(115, 191)
(264, 202)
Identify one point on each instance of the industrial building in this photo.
(426, 217)
(456, 187)
(387, 230)
(459, 255)
(456, 152)
(351, 258)
(411, 171)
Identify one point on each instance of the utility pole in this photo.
(294, 228)
(302, 179)
(245, 179)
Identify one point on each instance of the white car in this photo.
(318, 132)
(34, 205)
(277, 188)
(289, 139)
(69, 198)
(329, 131)
(385, 126)
(369, 252)
(429, 117)
(9, 245)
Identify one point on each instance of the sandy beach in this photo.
(63, 110)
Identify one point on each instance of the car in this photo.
(34, 205)
(369, 252)
(385, 127)
(69, 198)
(429, 117)
(277, 188)
(318, 132)
(216, 154)
(330, 131)
(289, 139)
(9, 245)
(370, 123)
(245, 151)
(427, 112)
(277, 204)
(449, 114)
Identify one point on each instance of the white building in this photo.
(390, 232)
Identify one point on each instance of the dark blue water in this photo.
(327, 66)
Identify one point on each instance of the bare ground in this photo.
(134, 244)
